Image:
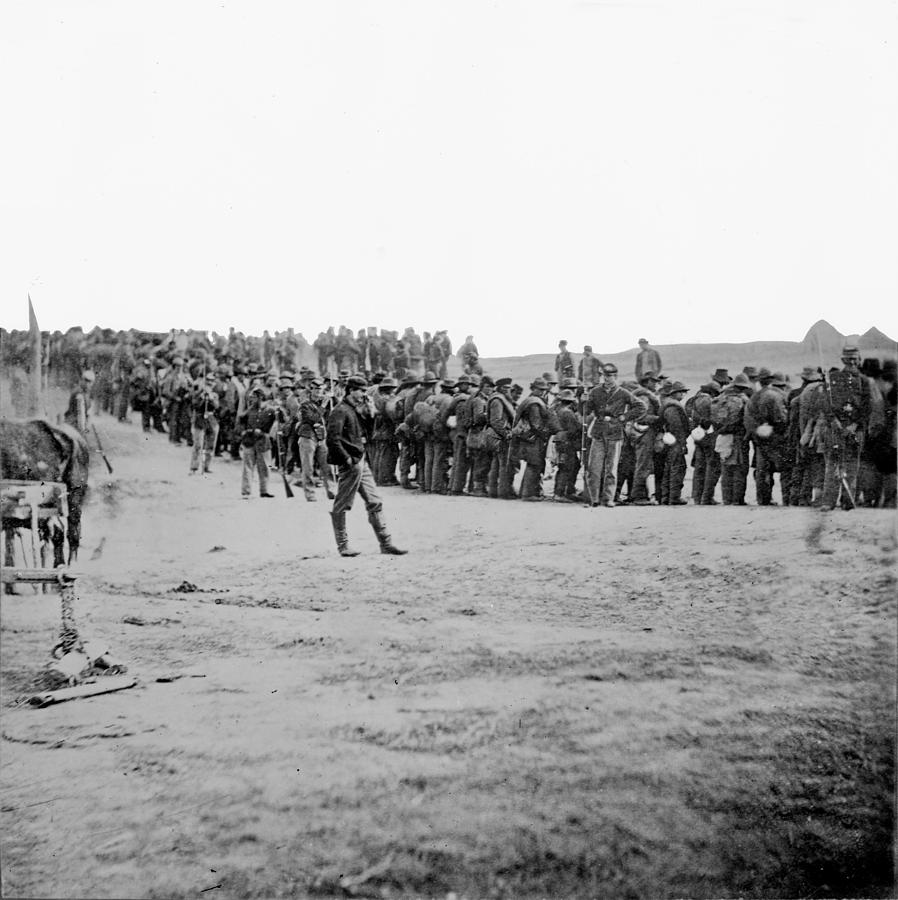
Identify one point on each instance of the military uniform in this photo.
(769, 413)
(705, 462)
(500, 418)
(533, 426)
(611, 407)
(346, 450)
(675, 423)
(205, 405)
(255, 424)
(567, 445)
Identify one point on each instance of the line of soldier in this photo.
(831, 441)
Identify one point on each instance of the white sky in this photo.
(597, 170)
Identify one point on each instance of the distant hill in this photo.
(693, 364)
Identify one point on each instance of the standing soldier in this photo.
(442, 440)
(176, 389)
(647, 360)
(312, 434)
(476, 422)
(383, 435)
(647, 430)
(801, 492)
(567, 445)
(407, 451)
(852, 414)
(727, 416)
(469, 356)
(675, 423)
(589, 369)
(564, 366)
(770, 438)
(533, 426)
(705, 461)
(457, 424)
(500, 413)
(346, 450)
(204, 409)
(611, 406)
(255, 424)
(78, 413)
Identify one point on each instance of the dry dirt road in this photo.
(539, 700)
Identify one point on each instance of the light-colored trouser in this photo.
(352, 480)
(311, 450)
(204, 438)
(254, 460)
(601, 469)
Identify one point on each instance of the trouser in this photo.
(204, 437)
(499, 479)
(124, 401)
(807, 476)
(480, 469)
(838, 460)
(356, 479)
(644, 465)
(626, 469)
(312, 451)
(460, 464)
(426, 454)
(442, 454)
(712, 469)
(535, 462)
(407, 458)
(733, 480)
(765, 466)
(658, 460)
(601, 469)
(674, 474)
(254, 461)
(700, 461)
(566, 473)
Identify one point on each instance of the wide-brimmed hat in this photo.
(388, 381)
(811, 373)
(779, 380)
(567, 396)
(539, 384)
(430, 378)
(447, 384)
(741, 381)
(722, 376)
(712, 387)
(503, 382)
(649, 376)
(409, 380)
(356, 381)
(751, 371)
(474, 380)
(850, 352)
(569, 382)
(764, 374)
(676, 387)
(487, 381)
(258, 389)
(463, 379)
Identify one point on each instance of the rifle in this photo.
(583, 439)
(100, 448)
(282, 463)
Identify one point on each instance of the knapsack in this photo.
(425, 415)
(726, 410)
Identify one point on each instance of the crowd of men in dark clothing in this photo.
(831, 439)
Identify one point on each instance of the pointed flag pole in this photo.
(34, 368)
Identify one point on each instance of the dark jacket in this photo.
(345, 436)
(612, 407)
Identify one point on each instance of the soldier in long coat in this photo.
(610, 406)
(500, 418)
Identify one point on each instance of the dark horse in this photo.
(35, 450)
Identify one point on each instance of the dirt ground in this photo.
(539, 700)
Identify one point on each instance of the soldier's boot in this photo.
(383, 536)
(339, 520)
